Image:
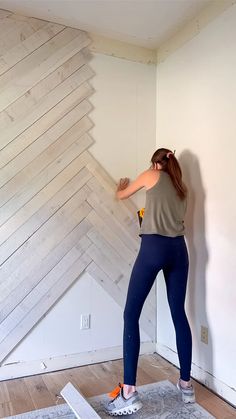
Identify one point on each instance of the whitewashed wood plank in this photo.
(36, 161)
(103, 177)
(43, 241)
(39, 56)
(116, 207)
(121, 231)
(17, 34)
(13, 33)
(40, 250)
(104, 263)
(10, 264)
(48, 148)
(20, 50)
(55, 122)
(109, 252)
(35, 67)
(37, 293)
(38, 218)
(36, 185)
(44, 305)
(7, 25)
(111, 237)
(61, 118)
(33, 298)
(32, 21)
(69, 87)
(52, 170)
(44, 195)
(44, 121)
(78, 404)
(23, 105)
(107, 182)
(76, 234)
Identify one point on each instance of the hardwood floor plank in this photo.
(55, 383)
(19, 396)
(4, 394)
(6, 409)
(100, 378)
(38, 392)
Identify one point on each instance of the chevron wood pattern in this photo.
(58, 214)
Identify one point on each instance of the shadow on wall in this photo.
(198, 255)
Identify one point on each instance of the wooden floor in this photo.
(25, 394)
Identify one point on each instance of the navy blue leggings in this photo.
(169, 254)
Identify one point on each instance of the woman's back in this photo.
(164, 209)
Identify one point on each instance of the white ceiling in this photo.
(147, 23)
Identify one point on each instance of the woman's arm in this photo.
(126, 188)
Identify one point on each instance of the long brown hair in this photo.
(170, 164)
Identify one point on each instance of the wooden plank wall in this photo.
(58, 214)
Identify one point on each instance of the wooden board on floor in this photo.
(81, 408)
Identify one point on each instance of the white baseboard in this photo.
(42, 366)
(212, 383)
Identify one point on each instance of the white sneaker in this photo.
(121, 406)
(188, 395)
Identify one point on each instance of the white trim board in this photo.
(221, 389)
(192, 28)
(103, 45)
(78, 404)
(41, 366)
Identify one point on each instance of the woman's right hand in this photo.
(123, 183)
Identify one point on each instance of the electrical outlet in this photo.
(204, 334)
(85, 321)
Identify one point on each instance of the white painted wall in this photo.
(124, 116)
(59, 333)
(124, 132)
(196, 102)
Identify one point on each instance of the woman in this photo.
(162, 247)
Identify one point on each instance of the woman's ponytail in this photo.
(170, 164)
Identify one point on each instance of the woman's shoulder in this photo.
(150, 173)
(150, 177)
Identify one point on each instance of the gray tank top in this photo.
(164, 210)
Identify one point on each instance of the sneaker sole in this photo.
(126, 410)
(185, 397)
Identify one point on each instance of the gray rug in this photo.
(160, 400)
